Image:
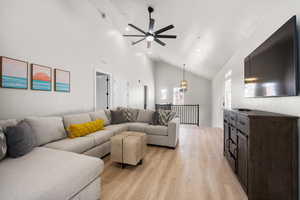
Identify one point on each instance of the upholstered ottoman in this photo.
(128, 147)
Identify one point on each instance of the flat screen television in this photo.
(271, 70)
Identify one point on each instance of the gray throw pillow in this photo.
(20, 140)
(130, 114)
(3, 146)
(165, 116)
(117, 117)
(155, 119)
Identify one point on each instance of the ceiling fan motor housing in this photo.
(150, 9)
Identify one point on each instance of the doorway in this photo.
(103, 92)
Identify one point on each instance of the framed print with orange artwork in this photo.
(41, 77)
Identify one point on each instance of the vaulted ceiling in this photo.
(209, 31)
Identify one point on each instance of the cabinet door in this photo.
(226, 139)
(242, 170)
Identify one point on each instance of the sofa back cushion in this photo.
(3, 146)
(76, 119)
(20, 139)
(100, 114)
(145, 116)
(46, 129)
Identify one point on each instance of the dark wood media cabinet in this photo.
(262, 150)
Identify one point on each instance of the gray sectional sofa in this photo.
(62, 168)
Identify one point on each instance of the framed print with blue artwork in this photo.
(62, 80)
(13, 73)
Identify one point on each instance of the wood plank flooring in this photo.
(196, 170)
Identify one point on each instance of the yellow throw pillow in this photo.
(79, 130)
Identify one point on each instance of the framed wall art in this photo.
(13, 73)
(41, 77)
(62, 80)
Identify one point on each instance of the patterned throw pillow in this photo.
(3, 146)
(165, 116)
(130, 114)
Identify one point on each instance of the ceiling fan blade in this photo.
(148, 44)
(151, 25)
(164, 29)
(134, 43)
(137, 28)
(134, 35)
(159, 42)
(166, 36)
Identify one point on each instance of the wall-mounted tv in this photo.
(271, 70)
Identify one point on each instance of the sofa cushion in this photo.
(117, 128)
(137, 126)
(100, 114)
(20, 139)
(145, 116)
(3, 146)
(101, 137)
(47, 174)
(76, 119)
(47, 129)
(156, 130)
(76, 145)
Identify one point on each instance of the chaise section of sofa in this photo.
(49, 174)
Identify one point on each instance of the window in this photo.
(163, 94)
(178, 96)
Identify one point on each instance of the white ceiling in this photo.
(209, 31)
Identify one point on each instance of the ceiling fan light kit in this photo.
(151, 35)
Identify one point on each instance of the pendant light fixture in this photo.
(183, 82)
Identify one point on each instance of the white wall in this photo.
(199, 89)
(275, 17)
(69, 34)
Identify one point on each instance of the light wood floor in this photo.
(196, 170)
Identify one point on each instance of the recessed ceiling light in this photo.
(127, 28)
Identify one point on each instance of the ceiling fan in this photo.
(151, 35)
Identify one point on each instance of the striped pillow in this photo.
(3, 146)
(165, 116)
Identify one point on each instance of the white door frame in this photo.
(110, 86)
